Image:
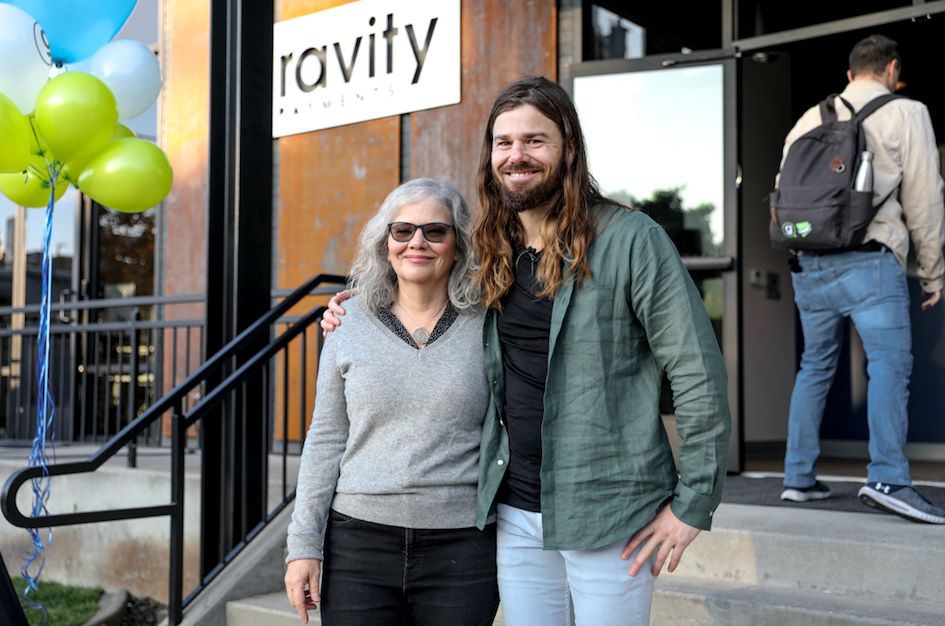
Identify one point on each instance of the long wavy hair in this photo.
(372, 274)
(568, 229)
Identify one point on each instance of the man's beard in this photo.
(518, 201)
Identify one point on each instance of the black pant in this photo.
(377, 575)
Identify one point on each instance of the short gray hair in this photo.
(372, 274)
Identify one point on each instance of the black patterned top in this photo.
(390, 320)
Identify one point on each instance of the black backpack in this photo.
(815, 206)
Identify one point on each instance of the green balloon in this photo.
(30, 188)
(129, 175)
(75, 167)
(123, 132)
(15, 135)
(75, 112)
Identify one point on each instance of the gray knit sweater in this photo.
(395, 435)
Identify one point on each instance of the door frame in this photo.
(727, 264)
(919, 10)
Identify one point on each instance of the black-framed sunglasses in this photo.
(434, 232)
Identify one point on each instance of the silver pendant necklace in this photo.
(420, 334)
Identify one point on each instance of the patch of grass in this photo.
(65, 604)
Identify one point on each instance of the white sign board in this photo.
(362, 61)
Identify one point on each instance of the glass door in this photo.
(660, 135)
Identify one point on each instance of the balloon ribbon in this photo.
(45, 407)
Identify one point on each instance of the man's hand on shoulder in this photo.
(666, 535)
(331, 320)
(932, 300)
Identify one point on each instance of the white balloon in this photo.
(24, 57)
(131, 71)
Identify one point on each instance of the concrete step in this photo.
(779, 566)
(272, 609)
(856, 554)
(681, 601)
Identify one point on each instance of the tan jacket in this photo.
(905, 156)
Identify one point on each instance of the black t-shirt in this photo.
(524, 328)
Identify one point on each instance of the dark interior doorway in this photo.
(818, 66)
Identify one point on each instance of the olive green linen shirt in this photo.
(607, 466)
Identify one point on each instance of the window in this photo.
(655, 142)
(614, 30)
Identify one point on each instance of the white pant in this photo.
(566, 587)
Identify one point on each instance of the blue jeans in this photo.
(566, 587)
(869, 288)
(377, 575)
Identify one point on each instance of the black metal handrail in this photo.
(101, 327)
(105, 303)
(173, 402)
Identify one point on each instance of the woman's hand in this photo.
(301, 585)
(332, 318)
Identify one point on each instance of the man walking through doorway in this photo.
(868, 285)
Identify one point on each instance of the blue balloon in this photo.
(77, 28)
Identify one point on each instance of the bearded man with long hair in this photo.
(588, 305)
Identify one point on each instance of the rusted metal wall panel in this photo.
(184, 134)
(502, 41)
(329, 183)
(184, 130)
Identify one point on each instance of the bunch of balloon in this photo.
(65, 86)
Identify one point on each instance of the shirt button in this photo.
(500, 462)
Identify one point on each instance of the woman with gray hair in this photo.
(386, 499)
